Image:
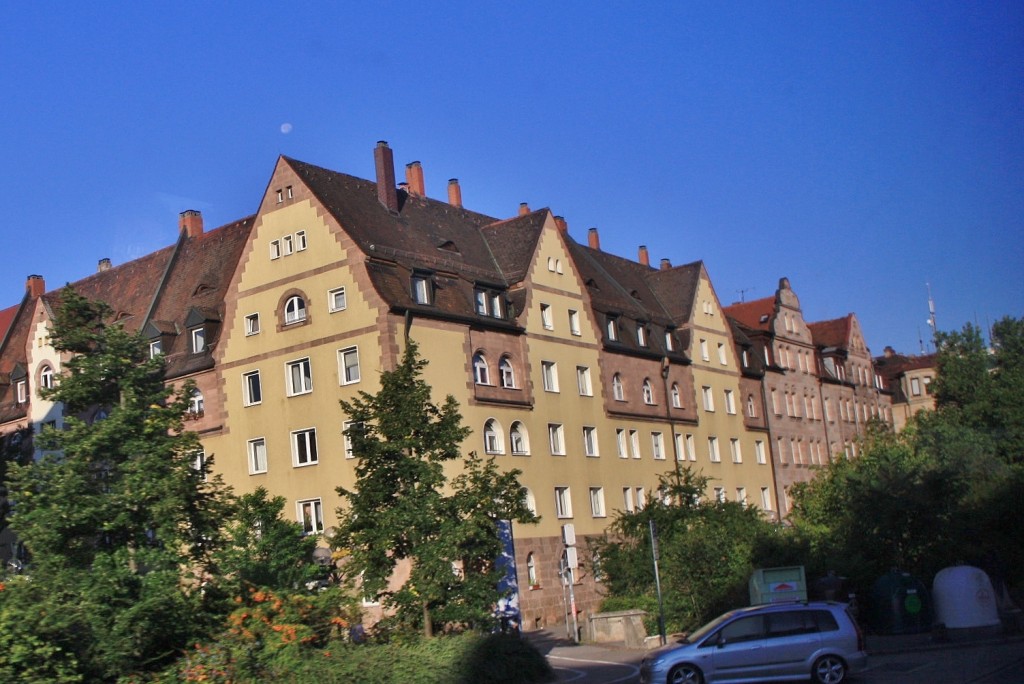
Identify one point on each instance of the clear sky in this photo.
(861, 149)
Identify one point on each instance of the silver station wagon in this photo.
(769, 643)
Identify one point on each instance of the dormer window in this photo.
(670, 344)
(612, 328)
(288, 192)
(280, 195)
(198, 340)
(641, 335)
(421, 289)
(22, 389)
(294, 310)
(156, 348)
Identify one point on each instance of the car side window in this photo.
(791, 622)
(826, 621)
(744, 629)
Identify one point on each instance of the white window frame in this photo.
(251, 379)
(590, 447)
(196, 402)
(556, 439)
(704, 351)
(46, 376)
(691, 447)
(156, 348)
(574, 323)
(304, 441)
(549, 374)
(597, 509)
(22, 391)
(198, 340)
(480, 299)
(563, 502)
(275, 249)
(722, 358)
(481, 371)
(680, 446)
(252, 324)
(295, 310)
(730, 403)
(256, 449)
(300, 240)
(648, 392)
(507, 373)
(714, 455)
(421, 289)
(617, 392)
(670, 344)
(303, 387)
(583, 381)
(634, 443)
(612, 328)
(719, 494)
(346, 376)
(677, 397)
(709, 398)
(346, 427)
(627, 500)
(736, 450)
(641, 335)
(641, 498)
(766, 499)
(759, 452)
(337, 299)
(620, 443)
(522, 448)
(545, 317)
(494, 438)
(658, 445)
(316, 515)
(287, 245)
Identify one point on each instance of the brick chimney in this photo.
(563, 227)
(644, 258)
(524, 208)
(35, 285)
(384, 160)
(454, 192)
(103, 265)
(593, 239)
(665, 264)
(190, 222)
(414, 177)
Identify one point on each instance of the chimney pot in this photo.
(563, 227)
(35, 285)
(524, 208)
(454, 192)
(190, 222)
(384, 160)
(103, 265)
(593, 239)
(644, 258)
(665, 264)
(414, 177)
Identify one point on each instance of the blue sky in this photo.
(860, 149)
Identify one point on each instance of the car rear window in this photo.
(826, 621)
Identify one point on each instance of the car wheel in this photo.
(685, 674)
(829, 669)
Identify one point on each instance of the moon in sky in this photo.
(286, 128)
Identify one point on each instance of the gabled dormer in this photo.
(202, 325)
(161, 336)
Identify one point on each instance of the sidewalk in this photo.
(879, 644)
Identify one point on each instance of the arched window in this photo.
(520, 439)
(196, 403)
(617, 388)
(677, 398)
(648, 392)
(46, 377)
(494, 443)
(481, 373)
(294, 310)
(508, 376)
(751, 411)
(531, 570)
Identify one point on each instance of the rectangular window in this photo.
(252, 324)
(641, 335)
(497, 311)
(253, 391)
(346, 429)
(549, 372)
(704, 350)
(348, 365)
(300, 240)
(156, 348)
(590, 441)
(597, 502)
(721, 354)
(741, 496)
(658, 446)
(311, 516)
(199, 463)
(775, 403)
(759, 452)
(280, 195)
(634, 443)
(545, 317)
(574, 322)
(713, 453)
(730, 403)
(421, 289)
(766, 499)
(620, 442)
(641, 497)
(720, 494)
(336, 300)
(736, 450)
(680, 447)
(300, 377)
(915, 387)
(627, 499)
(555, 439)
(670, 343)
(480, 297)
(257, 456)
(709, 399)
(275, 249)
(288, 192)
(287, 246)
(304, 447)
(612, 328)
(691, 448)
(583, 381)
(198, 340)
(563, 502)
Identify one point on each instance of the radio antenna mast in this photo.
(931, 310)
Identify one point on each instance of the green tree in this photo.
(120, 523)
(15, 449)
(399, 509)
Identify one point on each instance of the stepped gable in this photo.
(754, 315)
(833, 333)
(676, 288)
(196, 286)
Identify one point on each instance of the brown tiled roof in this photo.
(676, 288)
(6, 319)
(756, 314)
(834, 333)
(13, 355)
(893, 366)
